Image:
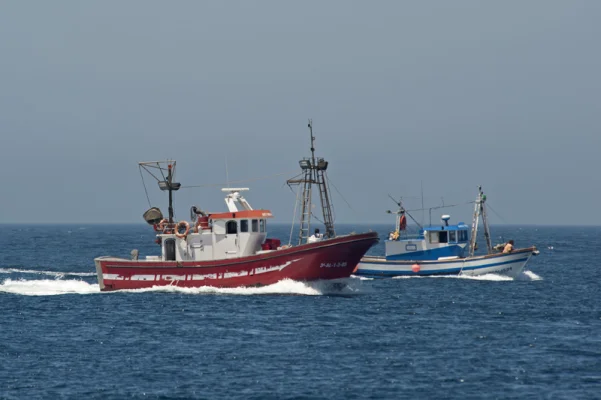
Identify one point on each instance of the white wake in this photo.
(524, 276)
(485, 277)
(530, 276)
(47, 287)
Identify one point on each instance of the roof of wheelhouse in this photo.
(244, 214)
(459, 227)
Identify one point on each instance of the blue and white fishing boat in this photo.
(444, 250)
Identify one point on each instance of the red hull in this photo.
(330, 259)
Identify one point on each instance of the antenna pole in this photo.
(312, 142)
(227, 175)
(169, 181)
(422, 187)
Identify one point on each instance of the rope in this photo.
(145, 190)
(438, 207)
(497, 214)
(293, 216)
(337, 191)
(414, 220)
(332, 208)
(315, 216)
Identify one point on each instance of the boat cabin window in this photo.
(438, 236)
(219, 227)
(255, 225)
(462, 236)
(244, 225)
(433, 237)
(453, 236)
(231, 228)
(263, 225)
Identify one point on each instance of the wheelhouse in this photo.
(431, 243)
(447, 234)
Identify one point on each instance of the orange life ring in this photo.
(162, 225)
(182, 235)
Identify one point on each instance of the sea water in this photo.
(536, 336)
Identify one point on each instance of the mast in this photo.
(485, 223)
(169, 184)
(480, 210)
(320, 177)
(314, 172)
(475, 220)
(163, 172)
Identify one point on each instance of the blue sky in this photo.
(450, 95)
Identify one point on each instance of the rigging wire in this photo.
(238, 181)
(496, 213)
(445, 206)
(144, 184)
(287, 182)
(337, 191)
(315, 216)
(146, 167)
(293, 215)
(414, 220)
(333, 209)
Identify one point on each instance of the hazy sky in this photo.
(453, 94)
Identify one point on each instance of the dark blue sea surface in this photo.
(537, 336)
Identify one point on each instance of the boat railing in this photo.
(408, 236)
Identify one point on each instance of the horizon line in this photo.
(288, 224)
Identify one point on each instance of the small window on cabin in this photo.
(453, 236)
(244, 225)
(262, 225)
(433, 237)
(463, 236)
(255, 225)
(219, 227)
(443, 236)
(231, 228)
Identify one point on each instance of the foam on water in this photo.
(524, 276)
(283, 287)
(485, 277)
(47, 287)
(362, 278)
(530, 276)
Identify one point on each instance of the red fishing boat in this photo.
(231, 249)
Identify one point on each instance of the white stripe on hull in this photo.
(510, 264)
(196, 277)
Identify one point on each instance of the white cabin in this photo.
(239, 232)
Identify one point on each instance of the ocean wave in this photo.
(485, 277)
(362, 278)
(524, 276)
(530, 276)
(47, 287)
(283, 287)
